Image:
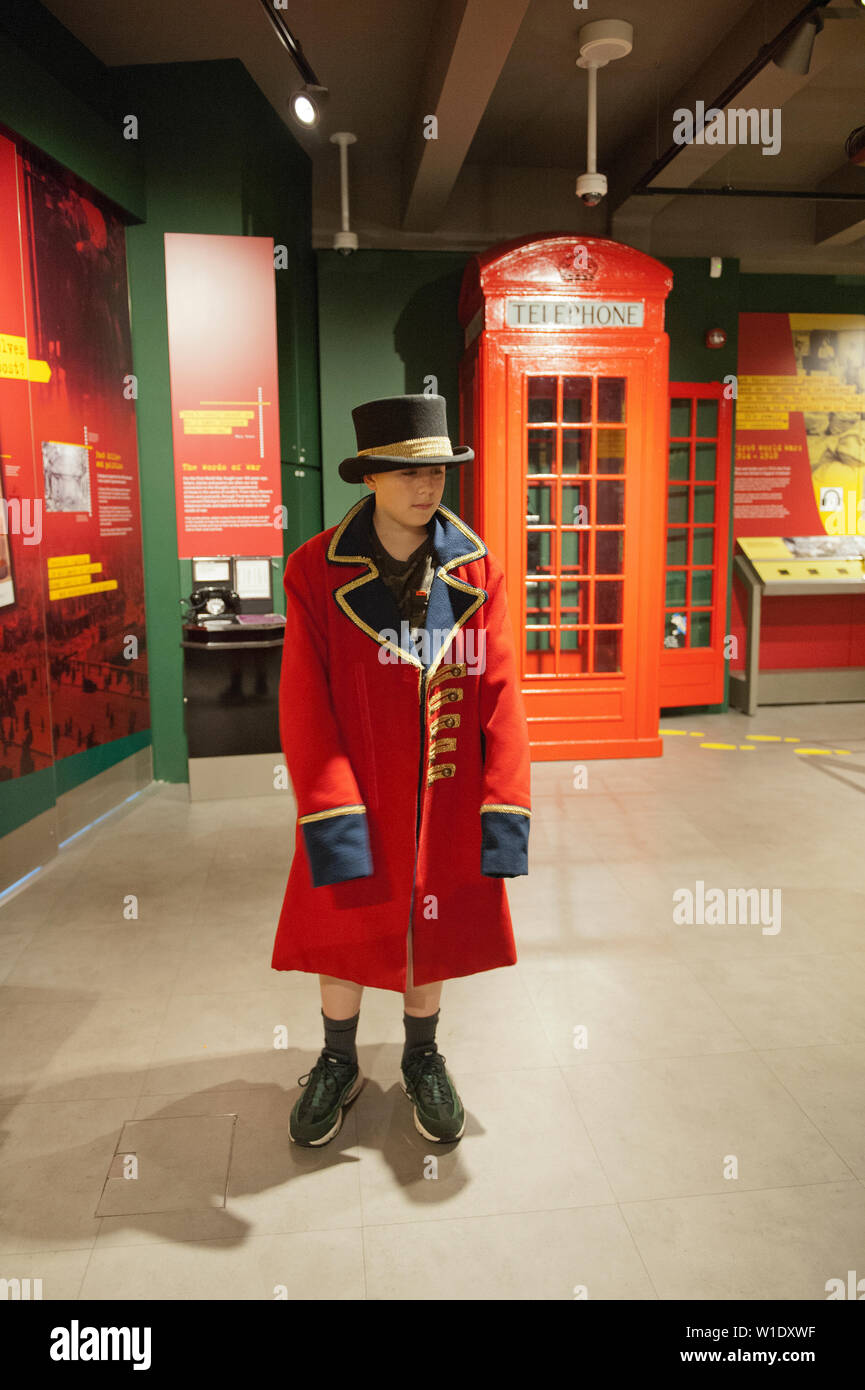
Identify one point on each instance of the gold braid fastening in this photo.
(430, 446)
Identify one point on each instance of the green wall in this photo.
(387, 321)
(57, 95)
(696, 303)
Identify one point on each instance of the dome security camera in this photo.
(345, 243)
(601, 42)
(591, 188)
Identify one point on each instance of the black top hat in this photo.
(397, 430)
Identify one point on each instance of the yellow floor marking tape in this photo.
(761, 738)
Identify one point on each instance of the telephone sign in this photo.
(575, 313)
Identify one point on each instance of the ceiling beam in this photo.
(840, 224)
(469, 45)
(770, 88)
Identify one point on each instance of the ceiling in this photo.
(500, 76)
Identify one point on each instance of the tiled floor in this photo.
(707, 1140)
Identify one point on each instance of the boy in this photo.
(405, 737)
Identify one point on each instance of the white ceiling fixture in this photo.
(601, 42)
(344, 240)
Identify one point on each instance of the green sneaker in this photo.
(333, 1083)
(438, 1110)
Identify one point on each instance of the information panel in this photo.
(221, 302)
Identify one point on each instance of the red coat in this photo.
(411, 772)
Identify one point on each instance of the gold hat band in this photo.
(432, 446)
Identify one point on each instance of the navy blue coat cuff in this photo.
(504, 844)
(337, 848)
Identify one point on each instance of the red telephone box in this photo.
(563, 396)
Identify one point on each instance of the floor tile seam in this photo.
(757, 1047)
(620, 1204)
(852, 1181)
(146, 1066)
(20, 1099)
(25, 1099)
(351, 1226)
(823, 1135)
(735, 1052)
(609, 1180)
(37, 1254)
(574, 1104)
(617, 1203)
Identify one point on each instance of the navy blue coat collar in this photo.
(368, 603)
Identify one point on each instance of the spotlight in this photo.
(794, 55)
(307, 103)
(854, 146)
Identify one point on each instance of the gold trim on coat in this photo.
(444, 721)
(445, 671)
(441, 770)
(349, 612)
(337, 811)
(445, 745)
(466, 589)
(441, 697)
(477, 550)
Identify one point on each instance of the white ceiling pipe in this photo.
(344, 240)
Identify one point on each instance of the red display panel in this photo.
(800, 471)
(72, 623)
(221, 302)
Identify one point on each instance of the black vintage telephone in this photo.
(212, 601)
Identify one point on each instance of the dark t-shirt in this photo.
(405, 577)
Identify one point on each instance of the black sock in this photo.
(419, 1031)
(340, 1033)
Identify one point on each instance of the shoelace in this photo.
(432, 1084)
(325, 1080)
